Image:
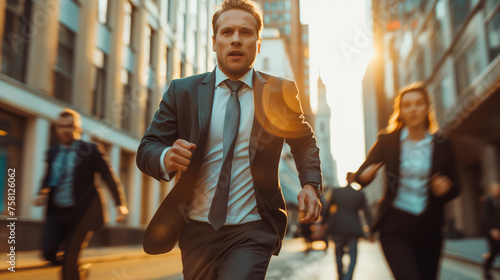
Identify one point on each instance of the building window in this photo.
(149, 111)
(102, 11)
(12, 128)
(15, 41)
(459, 11)
(493, 33)
(171, 11)
(279, 6)
(420, 66)
(128, 23)
(182, 19)
(436, 26)
(127, 160)
(267, 19)
(192, 40)
(183, 69)
(63, 72)
(148, 44)
(170, 65)
(127, 103)
(288, 5)
(145, 202)
(99, 87)
(468, 66)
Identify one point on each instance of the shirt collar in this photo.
(73, 146)
(221, 77)
(405, 135)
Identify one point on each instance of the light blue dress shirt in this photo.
(62, 175)
(415, 169)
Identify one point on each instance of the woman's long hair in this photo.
(395, 121)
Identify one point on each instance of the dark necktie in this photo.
(218, 208)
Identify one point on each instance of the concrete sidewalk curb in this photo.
(39, 263)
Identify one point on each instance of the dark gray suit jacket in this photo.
(341, 212)
(387, 150)
(185, 113)
(90, 159)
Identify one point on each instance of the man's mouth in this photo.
(235, 53)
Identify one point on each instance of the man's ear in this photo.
(213, 44)
(258, 45)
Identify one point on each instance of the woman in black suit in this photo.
(420, 179)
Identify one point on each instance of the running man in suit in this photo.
(74, 209)
(224, 132)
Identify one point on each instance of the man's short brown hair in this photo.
(245, 5)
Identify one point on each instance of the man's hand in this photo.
(440, 184)
(121, 213)
(369, 173)
(41, 199)
(179, 156)
(495, 234)
(309, 205)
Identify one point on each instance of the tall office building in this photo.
(454, 47)
(110, 60)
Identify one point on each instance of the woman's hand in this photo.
(440, 184)
(369, 173)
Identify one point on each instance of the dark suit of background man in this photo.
(491, 220)
(74, 207)
(228, 232)
(342, 224)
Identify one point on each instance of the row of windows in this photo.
(277, 18)
(14, 59)
(280, 5)
(469, 55)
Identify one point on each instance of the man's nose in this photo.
(236, 38)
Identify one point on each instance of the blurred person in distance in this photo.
(341, 223)
(491, 220)
(420, 179)
(74, 210)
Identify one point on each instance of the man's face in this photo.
(236, 42)
(66, 130)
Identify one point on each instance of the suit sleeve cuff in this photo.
(165, 173)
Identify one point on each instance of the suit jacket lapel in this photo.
(205, 101)
(261, 102)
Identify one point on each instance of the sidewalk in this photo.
(33, 259)
(469, 250)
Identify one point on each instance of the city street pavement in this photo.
(130, 263)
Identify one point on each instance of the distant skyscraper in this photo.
(323, 136)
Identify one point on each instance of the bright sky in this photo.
(340, 46)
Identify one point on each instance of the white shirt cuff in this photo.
(164, 171)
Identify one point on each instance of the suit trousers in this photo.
(343, 242)
(234, 252)
(494, 250)
(411, 248)
(68, 227)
